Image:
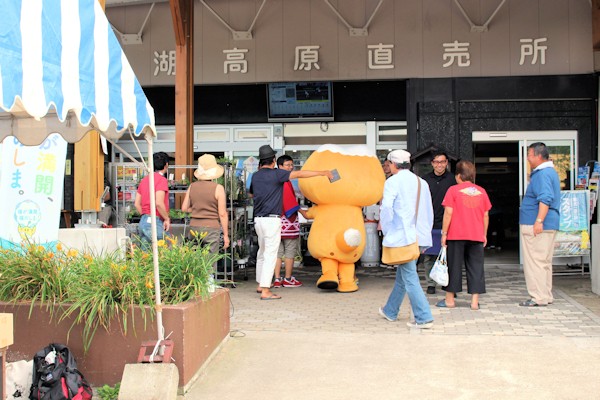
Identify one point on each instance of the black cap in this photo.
(266, 152)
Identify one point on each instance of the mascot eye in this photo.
(332, 253)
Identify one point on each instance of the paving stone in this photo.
(308, 309)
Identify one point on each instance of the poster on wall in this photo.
(31, 183)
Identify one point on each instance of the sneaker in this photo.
(421, 325)
(384, 316)
(430, 289)
(292, 282)
(277, 283)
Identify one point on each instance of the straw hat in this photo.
(208, 169)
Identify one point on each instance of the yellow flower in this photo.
(59, 247)
(161, 243)
(203, 235)
(194, 234)
(72, 253)
(49, 256)
(40, 248)
(145, 256)
(149, 284)
(172, 240)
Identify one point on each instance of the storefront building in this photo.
(478, 78)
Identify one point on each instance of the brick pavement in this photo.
(308, 309)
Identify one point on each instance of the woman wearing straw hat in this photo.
(205, 200)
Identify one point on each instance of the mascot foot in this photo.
(347, 287)
(328, 282)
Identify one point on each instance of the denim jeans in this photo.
(145, 230)
(407, 282)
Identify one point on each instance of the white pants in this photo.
(268, 230)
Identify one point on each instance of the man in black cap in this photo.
(267, 190)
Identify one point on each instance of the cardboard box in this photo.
(6, 330)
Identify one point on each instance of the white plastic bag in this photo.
(439, 272)
(18, 379)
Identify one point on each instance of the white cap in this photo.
(399, 156)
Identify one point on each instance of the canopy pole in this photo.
(159, 325)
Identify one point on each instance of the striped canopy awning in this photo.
(62, 70)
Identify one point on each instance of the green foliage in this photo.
(177, 214)
(109, 392)
(98, 290)
(31, 273)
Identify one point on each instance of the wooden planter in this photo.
(198, 327)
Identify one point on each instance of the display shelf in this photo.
(126, 178)
(573, 237)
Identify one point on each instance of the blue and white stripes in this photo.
(62, 55)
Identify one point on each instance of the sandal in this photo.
(442, 304)
(273, 296)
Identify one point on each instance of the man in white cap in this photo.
(401, 227)
(267, 191)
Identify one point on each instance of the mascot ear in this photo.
(348, 240)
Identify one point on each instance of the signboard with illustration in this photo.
(572, 238)
(31, 183)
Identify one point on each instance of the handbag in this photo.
(400, 255)
(439, 271)
(403, 254)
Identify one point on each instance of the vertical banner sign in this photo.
(31, 183)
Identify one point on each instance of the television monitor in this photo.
(300, 101)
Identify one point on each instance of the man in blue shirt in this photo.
(539, 219)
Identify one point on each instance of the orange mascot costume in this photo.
(337, 235)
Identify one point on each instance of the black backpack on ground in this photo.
(55, 376)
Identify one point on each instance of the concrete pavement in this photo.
(315, 345)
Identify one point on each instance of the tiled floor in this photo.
(308, 309)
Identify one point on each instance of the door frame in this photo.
(524, 139)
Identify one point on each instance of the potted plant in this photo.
(177, 216)
(94, 302)
(240, 249)
(133, 216)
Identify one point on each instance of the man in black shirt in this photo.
(267, 190)
(439, 180)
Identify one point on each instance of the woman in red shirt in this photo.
(464, 231)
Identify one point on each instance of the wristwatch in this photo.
(539, 220)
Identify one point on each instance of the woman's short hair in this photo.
(466, 171)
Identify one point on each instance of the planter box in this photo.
(198, 328)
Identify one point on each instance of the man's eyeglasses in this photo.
(439, 162)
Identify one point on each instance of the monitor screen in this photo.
(300, 101)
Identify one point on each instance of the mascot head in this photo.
(361, 176)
